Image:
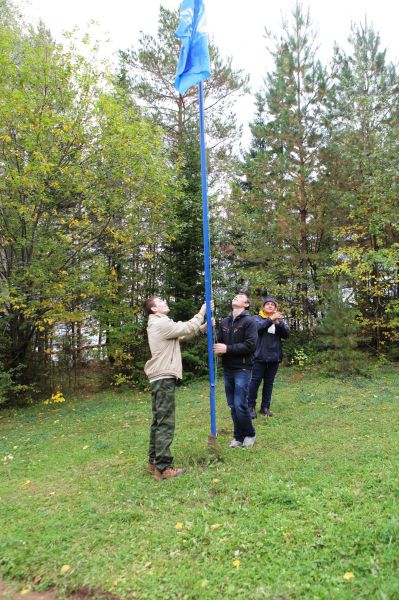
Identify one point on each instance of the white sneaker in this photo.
(235, 444)
(248, 441)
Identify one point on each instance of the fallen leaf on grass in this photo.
(85, 447)
(27, 482)
(215, 480)
(236, 564)
(125, 426)
(215, 526)
(179, 525)
(348, 576)
(65, 569)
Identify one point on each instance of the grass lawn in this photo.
(311, 511)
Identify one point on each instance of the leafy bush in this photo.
(6, 384)
(195, 359)
(298, 349)
(300, 358)
(337, 338)
(11, 390)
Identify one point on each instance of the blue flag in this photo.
(194, 63)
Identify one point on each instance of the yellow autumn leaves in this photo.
(56, 398)
(180, 525)
(236, 563)
(65, 569)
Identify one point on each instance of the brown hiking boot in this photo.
(158, 475)
(151, 468)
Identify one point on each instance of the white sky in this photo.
(237, 26)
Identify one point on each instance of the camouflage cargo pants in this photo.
(163, 422)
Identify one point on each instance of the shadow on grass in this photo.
(85, 593)
(206, 457)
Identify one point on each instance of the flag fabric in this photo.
(194, 63)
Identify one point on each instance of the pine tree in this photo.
(363, 164)
(285, 201)
(148, 73)
(337, 336)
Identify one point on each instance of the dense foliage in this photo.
(100, 197)
(317, 199)
(84, 189)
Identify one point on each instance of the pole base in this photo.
(212, 440)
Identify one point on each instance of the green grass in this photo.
(315, 499)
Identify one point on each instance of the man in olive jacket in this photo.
(162, 370)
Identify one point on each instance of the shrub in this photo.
(6, 384)
(13, 392)
(337, 338)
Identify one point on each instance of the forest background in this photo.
(100, 201)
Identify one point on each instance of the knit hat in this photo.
(270, 300)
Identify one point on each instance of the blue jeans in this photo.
(265, 371)
(236, 384)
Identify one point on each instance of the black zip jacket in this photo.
(240, 336)
(268, 348)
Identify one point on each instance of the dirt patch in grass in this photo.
(84, 593)
(9, 592)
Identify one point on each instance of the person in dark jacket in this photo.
(268, 355)
(236, 344)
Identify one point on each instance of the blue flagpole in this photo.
(207, 265)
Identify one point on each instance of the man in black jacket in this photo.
(268, 355)
(236, 344)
